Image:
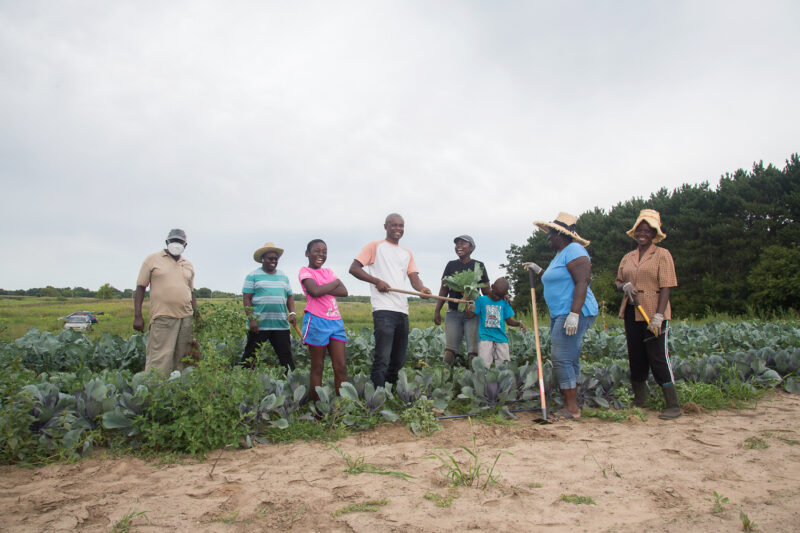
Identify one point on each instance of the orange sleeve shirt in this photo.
(654, 271)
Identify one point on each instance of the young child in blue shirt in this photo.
(494, 312)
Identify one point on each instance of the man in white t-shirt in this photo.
(388, 265)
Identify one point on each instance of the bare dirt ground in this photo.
(642, 476)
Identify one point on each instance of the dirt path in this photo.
(642, 476)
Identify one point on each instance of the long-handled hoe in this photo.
(543, 419)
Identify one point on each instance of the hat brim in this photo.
(264, 249)
(660, 235)
(547, 226)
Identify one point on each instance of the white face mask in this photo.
(175, 249)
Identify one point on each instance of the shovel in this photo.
(543, 419)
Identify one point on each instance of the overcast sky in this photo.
(251, 121)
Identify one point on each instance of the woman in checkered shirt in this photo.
(646, 276)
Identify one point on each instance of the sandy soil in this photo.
(642, 476)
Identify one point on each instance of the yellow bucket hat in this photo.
(653, 219)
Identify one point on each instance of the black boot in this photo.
(673, 409)
(640, 393)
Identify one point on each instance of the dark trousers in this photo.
(647, 352)
(391, 344)
(278, 338)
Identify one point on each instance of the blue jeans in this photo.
(391, 344)
(565, 350)
(456, 326)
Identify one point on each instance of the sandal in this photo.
(563, 414)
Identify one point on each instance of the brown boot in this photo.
(673, 409)
(640, 393)
(449, 357)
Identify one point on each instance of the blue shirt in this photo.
(492, 318)
(559, 286)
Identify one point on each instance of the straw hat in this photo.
(564, 223)
(653, 218)
(268, 247)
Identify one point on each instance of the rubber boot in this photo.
(640, 393)
(673, 409)
(470, 357)
(449, 357)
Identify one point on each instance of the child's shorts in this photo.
(493, 352)
(318, 331)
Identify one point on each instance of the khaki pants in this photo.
(168, 343)
(493, 352)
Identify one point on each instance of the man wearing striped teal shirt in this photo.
(267, 297)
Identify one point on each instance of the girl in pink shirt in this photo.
(322, 323)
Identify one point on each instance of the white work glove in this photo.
(534, 267)
(655, 324)
(629, 290)
(571, 324)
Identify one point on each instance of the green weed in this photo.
(718, 503)
(305, 430)
(442, 501)
(287, 520)
(747, 524)
(577, 500)
(614, 415)
(755, 443)
(358, 465)
(420, 419)
(778, 434)
(472, 472)
(601, 467)
(123, 525)
(369, 506)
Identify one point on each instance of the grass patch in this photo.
(442, 501)
(369, 506)
(358, 465)
(124, 524)
(614, 415)
(576, 499)
(755, 443)
(778, 434)
(305, 430)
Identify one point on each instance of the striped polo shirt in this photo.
(270, 292)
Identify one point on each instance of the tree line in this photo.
(105, 292)
(736, 246)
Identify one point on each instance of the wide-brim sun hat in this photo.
(565, 224)
(653, 219)
(268, 247)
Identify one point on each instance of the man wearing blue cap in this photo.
(172, 304)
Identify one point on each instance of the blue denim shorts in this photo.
(318, 331)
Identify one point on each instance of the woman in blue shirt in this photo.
(572, 305)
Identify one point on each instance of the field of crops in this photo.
(63, 394)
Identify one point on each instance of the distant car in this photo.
(79, 322)
(91, 314)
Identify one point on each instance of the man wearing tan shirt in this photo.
(172, 304)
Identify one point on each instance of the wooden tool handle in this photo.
(434, 296)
